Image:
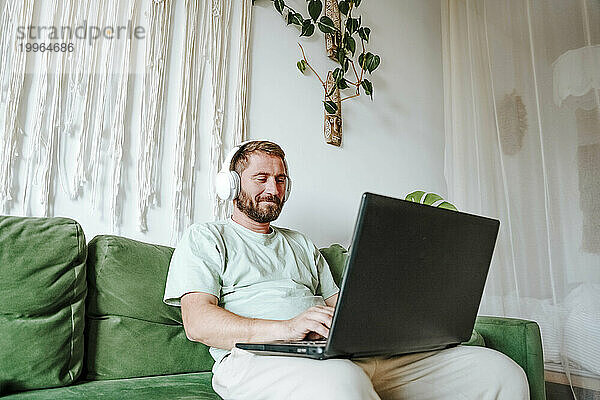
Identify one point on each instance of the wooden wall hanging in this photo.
(335, 20)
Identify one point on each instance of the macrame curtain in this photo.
(514, 153)
(192, 72)
(117, 127)
(159, 25)
(219, 65)
(219, 62)
(12, 74)
(36, 148)
(81, 123)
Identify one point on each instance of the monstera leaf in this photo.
(431, 199)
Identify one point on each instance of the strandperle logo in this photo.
(89, 33)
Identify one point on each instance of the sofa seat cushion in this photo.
(130, 332)
(181, 386)
(43, 287)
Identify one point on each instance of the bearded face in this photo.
(262, 208)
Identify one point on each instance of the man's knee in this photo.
(512, 380)
(502, 374)
(341, 379)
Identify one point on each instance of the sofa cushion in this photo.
(475, 340)
(172, 387)
(336, 257)
(43, 286)
(130, 332)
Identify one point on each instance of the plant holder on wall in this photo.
(345, 43)
(333, 122)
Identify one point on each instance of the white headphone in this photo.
(228, 182)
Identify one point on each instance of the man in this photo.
(243, 280)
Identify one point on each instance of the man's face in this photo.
(263, 188)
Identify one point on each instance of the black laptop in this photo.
(413, 282)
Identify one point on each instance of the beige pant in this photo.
(461, 372)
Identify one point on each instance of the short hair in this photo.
(239, 162)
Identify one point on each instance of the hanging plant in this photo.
(344, 33)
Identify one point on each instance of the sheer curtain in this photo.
(522, 109)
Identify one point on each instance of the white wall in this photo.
(391, 146)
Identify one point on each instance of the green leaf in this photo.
(341, 56)
(301, 65)
(314, 9)
(338, 74)
(369, 61)
(352, 24)
(373, 63)
(364, 33)
(330, 107)
(307, 28)
(350, 44)
(368, 86)
(357, 3)
(431, 198)
(279, 5)
(362, 60)
(288, 18)
(346, 65)
(415, 196)
(447, 206)
(342, 84)
(297, 19)
(344, 7)
(326, 24)
(368, 58)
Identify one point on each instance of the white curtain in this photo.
(522, 122)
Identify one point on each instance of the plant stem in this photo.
(362, 68)
(355, 74)
(349, 97)
(312, 69)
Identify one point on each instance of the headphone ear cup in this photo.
(235, 184)
(288, 189)
(222, 185)
(227, 185)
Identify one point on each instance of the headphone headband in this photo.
(232, 153)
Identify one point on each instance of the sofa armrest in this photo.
(520, 340)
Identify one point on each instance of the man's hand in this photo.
(204, 321)
(313, 323)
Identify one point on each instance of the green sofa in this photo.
(84, 320)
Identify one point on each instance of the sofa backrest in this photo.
(129, 331)
(42, 296)
(336, 257)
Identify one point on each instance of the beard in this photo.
(263, 209)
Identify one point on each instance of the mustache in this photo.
(270, 197)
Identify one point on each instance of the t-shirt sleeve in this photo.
(196, 265)
(327, 286)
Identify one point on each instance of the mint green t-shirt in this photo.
(275, 276)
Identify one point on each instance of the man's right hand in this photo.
(315, 320)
